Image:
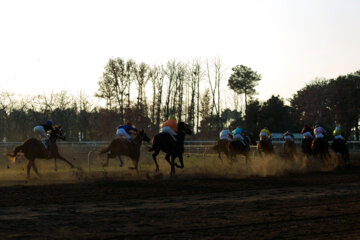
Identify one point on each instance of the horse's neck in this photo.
(138, 141)
(53, 139)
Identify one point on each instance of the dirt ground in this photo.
(289, 202)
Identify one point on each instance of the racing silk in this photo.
(288, 136)
(224, 134)
(265, 131)
(337, 131)
(306, 129)
(127, 128)
(319, 132)
(170, 123)
(240, 131)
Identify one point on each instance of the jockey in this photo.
(307, 132)
(337, 133)
(239, 133)
(170, 127)
(265, 133)
(288, 136)
(319, 131)
(225, 135)
(41, 129)
(126, 130)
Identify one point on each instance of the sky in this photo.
(50, 46)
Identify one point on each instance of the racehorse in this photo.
(319, 147)
(122, 147)
(237, 147)
(290, 149)
(34, 148)
(165, 142)
(306, 146)
(222, 146)
(339, 146)
(264, 146)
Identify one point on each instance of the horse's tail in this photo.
(17, 149)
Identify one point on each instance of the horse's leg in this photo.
(155, 161)
(181, 162)
(121, 161)
(172, 173)
(167, 157)
(28, 167)
(55, 164)
(35, 168)
(65, 160)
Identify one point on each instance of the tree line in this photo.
(191, 91)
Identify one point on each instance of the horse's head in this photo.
(57, 133)
(142, 135)
(183, 127)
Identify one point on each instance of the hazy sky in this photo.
(64, 45)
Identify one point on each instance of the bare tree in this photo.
(154, 73)
(194, 79)
(214, 81)
(171, 75)
(141, 77)
(181, 74)
(159, 84)
(129, 77)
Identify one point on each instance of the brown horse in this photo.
(290, 149)
(34, 148)
(222, 146)
(264, 146)
(339, 146)
(237, 147)
(122, 147)
(306, 146)
(320, 147)
(164, 142)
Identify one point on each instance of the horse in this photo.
(122, 147)
(237, 147)
(165, 142)
(290, 149)
(319, 147)
(222, 146)
(339, 146)
(264, 146)
(306, 146)
(34, 148)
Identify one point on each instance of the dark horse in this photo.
(122, 147)
(264, 146)
(319, 148)
(290, 149)
(34, 148)
(237, 147)
(164, 142)
(339, 146)
(306, 146)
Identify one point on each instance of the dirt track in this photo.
(316, 205)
